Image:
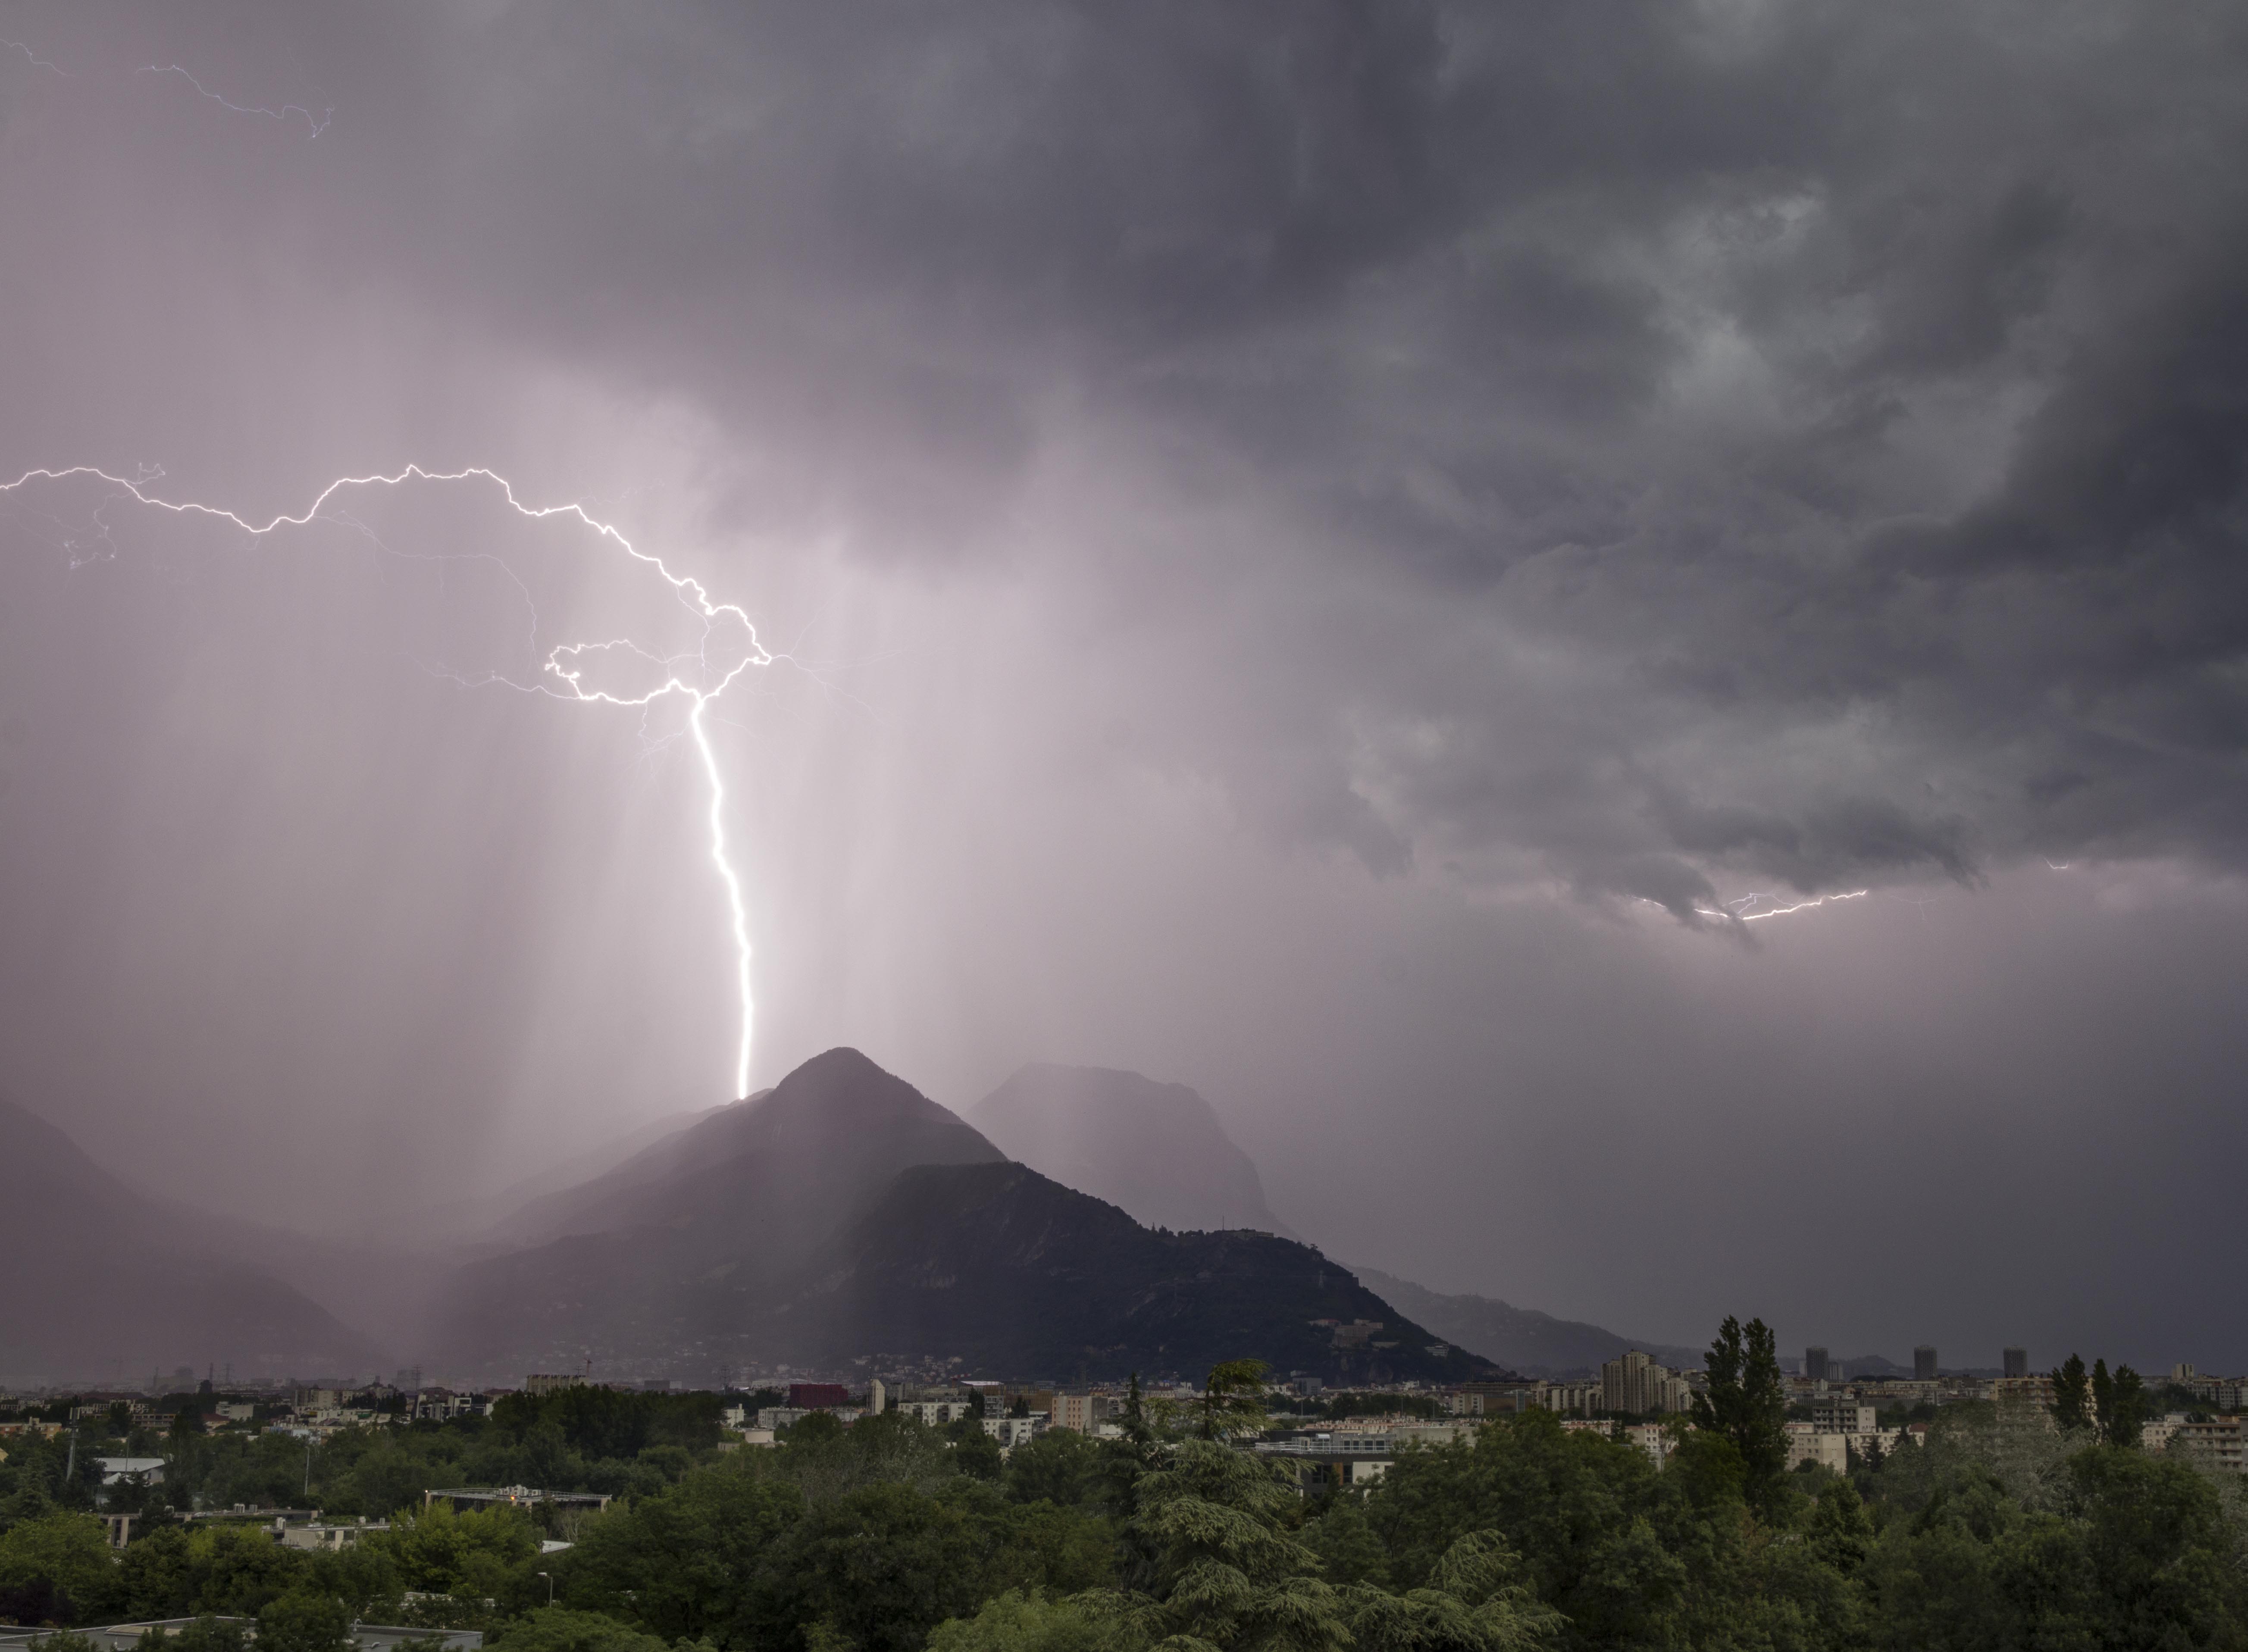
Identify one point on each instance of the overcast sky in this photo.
(1318, 551)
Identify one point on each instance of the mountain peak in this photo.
(1155, 1149)
(842, 1087)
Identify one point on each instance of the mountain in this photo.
(769, 1177)
(518, 1201)
(110, 1281)
(846, 1214)
(1522, 1338)
(1157, 1150)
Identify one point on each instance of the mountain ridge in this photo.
(172, 1287)
(826, 1247)
(1530, 1340)
(1155, 1149)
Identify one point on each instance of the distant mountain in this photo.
(1524, 1338)
(518, 1202)
(108, 1282)
(1158, 1151)
(846, 1214)
(1155, 1150)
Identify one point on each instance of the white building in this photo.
(2216, 1442)
(1011, 1432)
(1652, 1438)
(2157, 1435)
(1083, 1413)
(117, 1469)
(1842, 1416)
(1807, 1443)
(935, 1413)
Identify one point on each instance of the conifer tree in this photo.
(2071, 1396)
(1747, 1404)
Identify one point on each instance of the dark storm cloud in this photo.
(1851, 395)
(1657, 451)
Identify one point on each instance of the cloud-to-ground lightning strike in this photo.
(562, 663)
(282, 113)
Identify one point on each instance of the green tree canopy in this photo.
(1015, 1622)
(2072, 1395)
(1747, 1404)
(683, 1564)
(439, 1551)
(304, 1620)
(57, 1570)
(555, 1629)
(1472, 1602)
(1219, 1568)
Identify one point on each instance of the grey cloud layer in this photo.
(1740, 442)
(1664, 451)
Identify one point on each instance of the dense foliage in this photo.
(2002, 1532)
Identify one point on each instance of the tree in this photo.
(1346, 1543)
(439, 1552)
(205, 1633)
(2121, 1404)
(554, 1628)
(1840, 1533)
(238, 1570)
(1135, 1411)
(681, 1565)
(56, 1570)
(1014, 1621)
(1747, 1404)
(975, 1453)
(302, 1620)
(882, 1566)
(1472, 1603)
(1232, 1401)
(2071, 1396)
(1219, 1567)
(1060, 1466)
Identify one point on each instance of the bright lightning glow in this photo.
(1731, 911)
(281, 114)
(562, 662)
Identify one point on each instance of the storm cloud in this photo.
(1288, 493)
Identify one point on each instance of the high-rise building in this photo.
(1082, 1412)
(1814, 1364)
(2017, 1361)
(1636, 1383)
(1923, 1364)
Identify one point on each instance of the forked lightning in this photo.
(562, 663)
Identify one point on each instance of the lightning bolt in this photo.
(563, 663)
(281, 114)
(1731, 911)
(38, 62)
